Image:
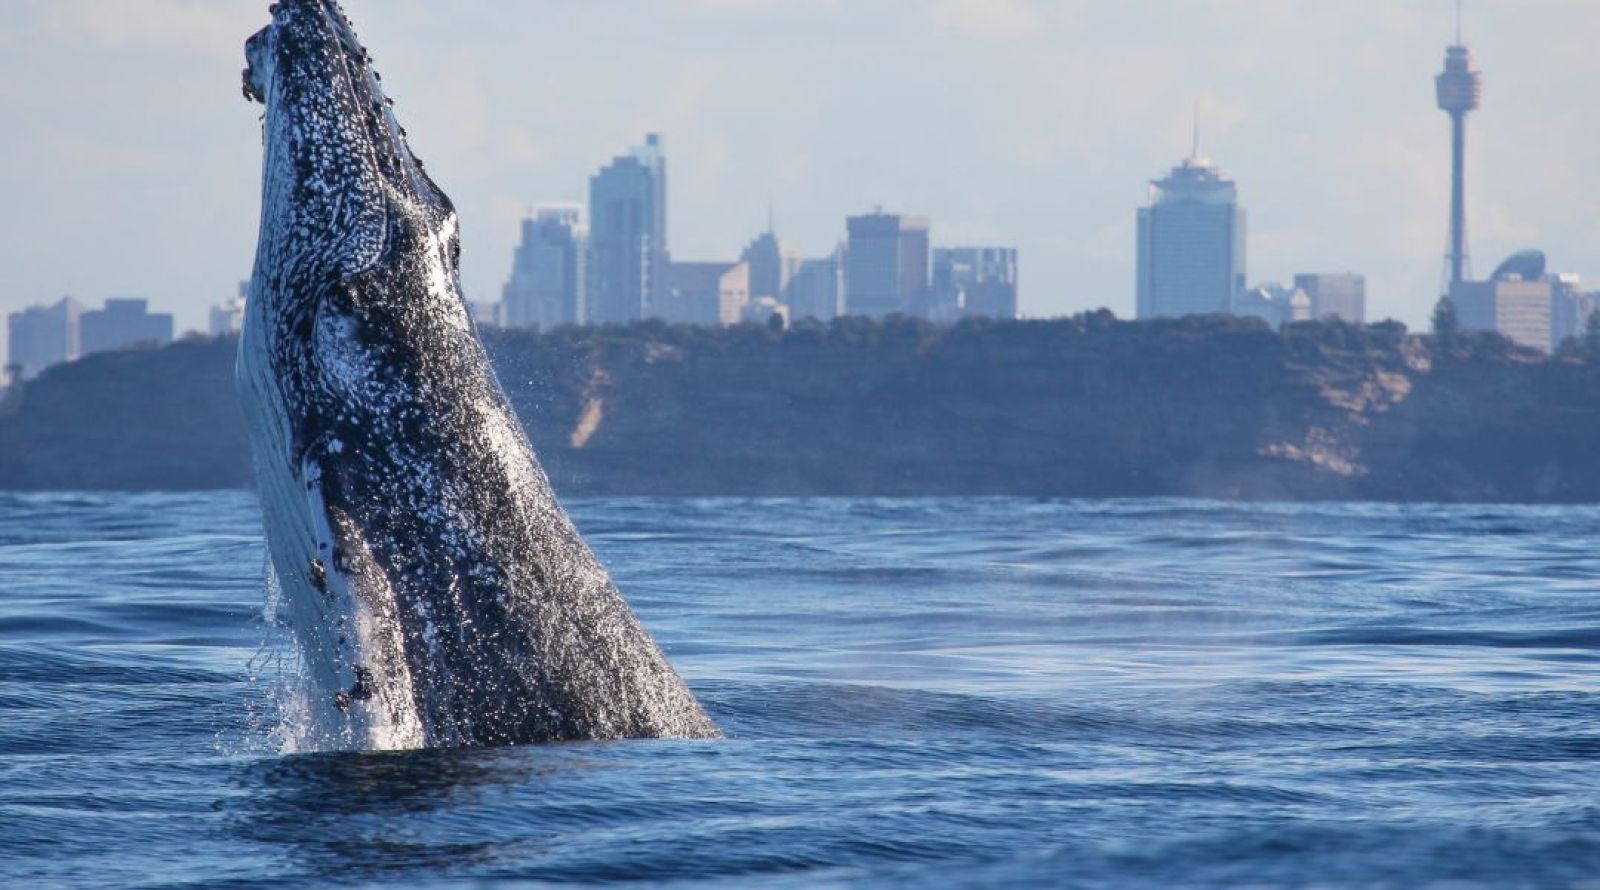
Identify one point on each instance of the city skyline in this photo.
(610, 262)
(1339, 152)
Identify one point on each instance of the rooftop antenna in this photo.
(1194, 152)
(772, 228)
(1458, 22)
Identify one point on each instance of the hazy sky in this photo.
(131, 161)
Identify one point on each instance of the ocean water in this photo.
(930, 693)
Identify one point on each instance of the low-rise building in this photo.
(487, 313)
(228, 317)
(1522, 301)
(1273, 303)
(974, 281)
(1339, 296)
(762, 310)
(122, 324)
(1516, 308)
(707, 293)
(41, 336)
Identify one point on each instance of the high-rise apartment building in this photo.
(549, 273)
(121, 324)
(41, 336)
(974, 281)
(1342, 296)
(1190, 243)
(886, 265)
(628, 236)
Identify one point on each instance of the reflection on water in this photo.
(296, 787)
(334, 813)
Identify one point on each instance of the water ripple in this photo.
(977, 692)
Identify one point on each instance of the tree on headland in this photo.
(1584, 345)
(1446, 325)
(1591, 336)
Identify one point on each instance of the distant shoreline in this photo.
(1212, 407)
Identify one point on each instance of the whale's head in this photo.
(338, 172)
(354, 315)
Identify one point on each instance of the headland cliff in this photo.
(1089, 406)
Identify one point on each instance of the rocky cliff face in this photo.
(1080, 407)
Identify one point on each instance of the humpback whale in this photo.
(438, 593)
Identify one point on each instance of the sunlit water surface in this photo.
(916, 693)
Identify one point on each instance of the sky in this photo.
(131, 163)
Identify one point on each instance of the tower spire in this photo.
(1458, 22)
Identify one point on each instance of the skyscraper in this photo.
(628, 235)
(549, 273)
(1191, 243)
(41, 336)
(817, 289)
(772, 264)
(886, 266)
(1459, 90)
(975, 281)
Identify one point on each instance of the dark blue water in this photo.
(916, 693)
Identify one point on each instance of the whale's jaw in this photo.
(439, 594)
